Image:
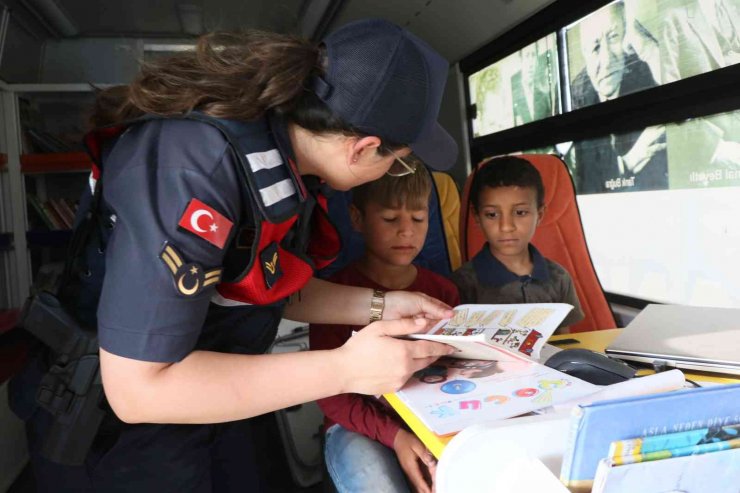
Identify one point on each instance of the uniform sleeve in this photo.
(153, 305)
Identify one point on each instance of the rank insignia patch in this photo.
(271, 264)
(190, 278)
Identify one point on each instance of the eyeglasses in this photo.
(399, 166)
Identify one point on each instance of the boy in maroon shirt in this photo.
(367, 446)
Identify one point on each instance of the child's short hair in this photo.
(507, 171)
(393, 192)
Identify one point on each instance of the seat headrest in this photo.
(557, 183)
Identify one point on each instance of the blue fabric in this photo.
(150, 176)
(433, 255)
(259, 136)
(358, 464)
(492, 272)
(385, 81)
(153, 458)
(155, 169)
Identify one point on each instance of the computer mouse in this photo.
(591, 366)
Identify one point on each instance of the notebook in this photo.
(687, 337)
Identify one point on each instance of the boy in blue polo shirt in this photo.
(508, 196)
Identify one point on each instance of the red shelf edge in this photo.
(55, 162)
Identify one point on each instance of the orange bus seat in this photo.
(559, 237)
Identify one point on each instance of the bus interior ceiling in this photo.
(80, 41)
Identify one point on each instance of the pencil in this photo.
(704, 448)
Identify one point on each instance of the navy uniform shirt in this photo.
(485, 280)
(150, 177)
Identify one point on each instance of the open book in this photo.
(499, 332)
(495, 373)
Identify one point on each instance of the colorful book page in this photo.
(454, 393)
(520, 330)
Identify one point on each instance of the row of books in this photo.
(56, 214)
(686, 440)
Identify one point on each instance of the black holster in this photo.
(71, 390)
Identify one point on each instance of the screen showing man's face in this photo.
(602, 38)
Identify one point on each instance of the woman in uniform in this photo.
(210, 224)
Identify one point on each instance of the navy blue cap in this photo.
(384, 81)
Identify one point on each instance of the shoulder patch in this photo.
(189, 278)
(206, 222)
(270, 260)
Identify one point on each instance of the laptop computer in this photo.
(686, 337)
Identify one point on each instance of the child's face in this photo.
(508, 217)
(394, 236)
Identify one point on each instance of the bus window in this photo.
(522, 88)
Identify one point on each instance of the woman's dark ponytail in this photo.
(229, 75)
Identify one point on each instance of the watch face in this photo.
(377, 303)
(376, 312)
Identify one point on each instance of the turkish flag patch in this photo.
(204, 221)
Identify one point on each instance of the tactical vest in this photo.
(282, 236)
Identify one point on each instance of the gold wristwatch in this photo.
(377, 303)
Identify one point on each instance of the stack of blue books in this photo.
(681, 440)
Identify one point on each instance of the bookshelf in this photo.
(43, 169)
